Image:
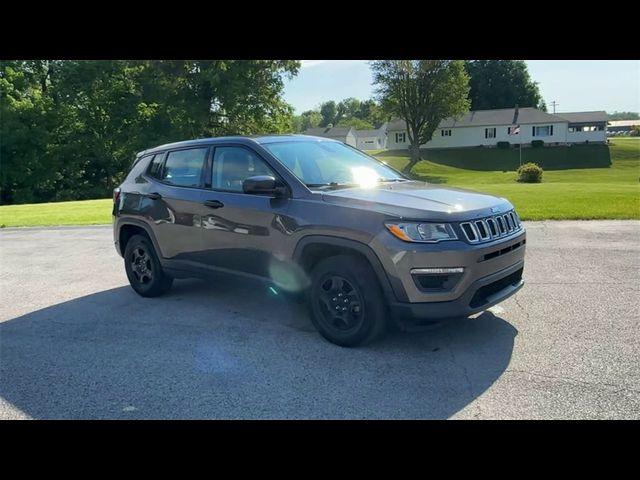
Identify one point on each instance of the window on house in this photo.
(445, 133)
(543, 131)
(401, 137)
(490, 132)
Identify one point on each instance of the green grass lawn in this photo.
(587, 188)
(84, 212)
(580, 182)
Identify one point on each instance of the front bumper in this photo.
(401, 259)
(480, 295)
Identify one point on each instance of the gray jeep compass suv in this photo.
(315, 217)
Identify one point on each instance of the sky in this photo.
(576, 85)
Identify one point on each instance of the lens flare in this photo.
(365, 177)
(287, 275)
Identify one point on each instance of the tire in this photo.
(348, 285)
(143, 268)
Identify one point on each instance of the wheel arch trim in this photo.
(138, 223)
(391, 294)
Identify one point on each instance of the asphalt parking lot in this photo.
(77, 342)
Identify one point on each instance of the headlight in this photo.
(422, 232)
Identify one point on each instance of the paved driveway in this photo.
(76, 342)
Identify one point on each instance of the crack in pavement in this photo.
(465, 374)
(526, 313)
(619, 388)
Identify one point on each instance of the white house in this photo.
(585, 127)
(488, 127)
(344, 134)
(622, 125)
(375, 139)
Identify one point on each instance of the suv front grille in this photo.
(491, 228)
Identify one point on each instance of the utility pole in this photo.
(555, 104)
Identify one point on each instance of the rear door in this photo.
(173, 201)
(240, 231)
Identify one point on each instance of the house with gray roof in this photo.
(375, 139)
(488, 127)
(344, 134)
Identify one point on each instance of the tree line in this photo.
(69, 130)
(350, 112)
(492, 84)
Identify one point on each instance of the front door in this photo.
(241, 232)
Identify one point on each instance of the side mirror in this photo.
(264, 185)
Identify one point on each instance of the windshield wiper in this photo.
(316, 185)
(329, 185)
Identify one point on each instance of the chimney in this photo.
(515, 115)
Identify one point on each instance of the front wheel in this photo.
(345, 301)
(143, 268)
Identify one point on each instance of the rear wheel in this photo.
(345, 301)
(143, 268)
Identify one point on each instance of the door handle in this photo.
(153, 196)
(214, 203)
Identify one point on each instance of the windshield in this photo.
(331, 164)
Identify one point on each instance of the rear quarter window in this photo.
(139, 168)
(155, 169)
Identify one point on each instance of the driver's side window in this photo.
(233, 165)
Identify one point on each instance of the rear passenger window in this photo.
(155, 169)
(184, 167)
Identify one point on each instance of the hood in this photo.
(420, 200)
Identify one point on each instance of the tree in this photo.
(501, 84)
(347, 109)
(26, 122)
(306, 120)
(422, 93)
(356, 123)
(350, 112)
(623, 116)
(371, 112)
(329, 112)
(70, 129)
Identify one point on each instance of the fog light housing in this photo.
(437, 271)
(437, 279)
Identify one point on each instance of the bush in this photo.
(530, 173)
(503, 145)
(537, 143)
